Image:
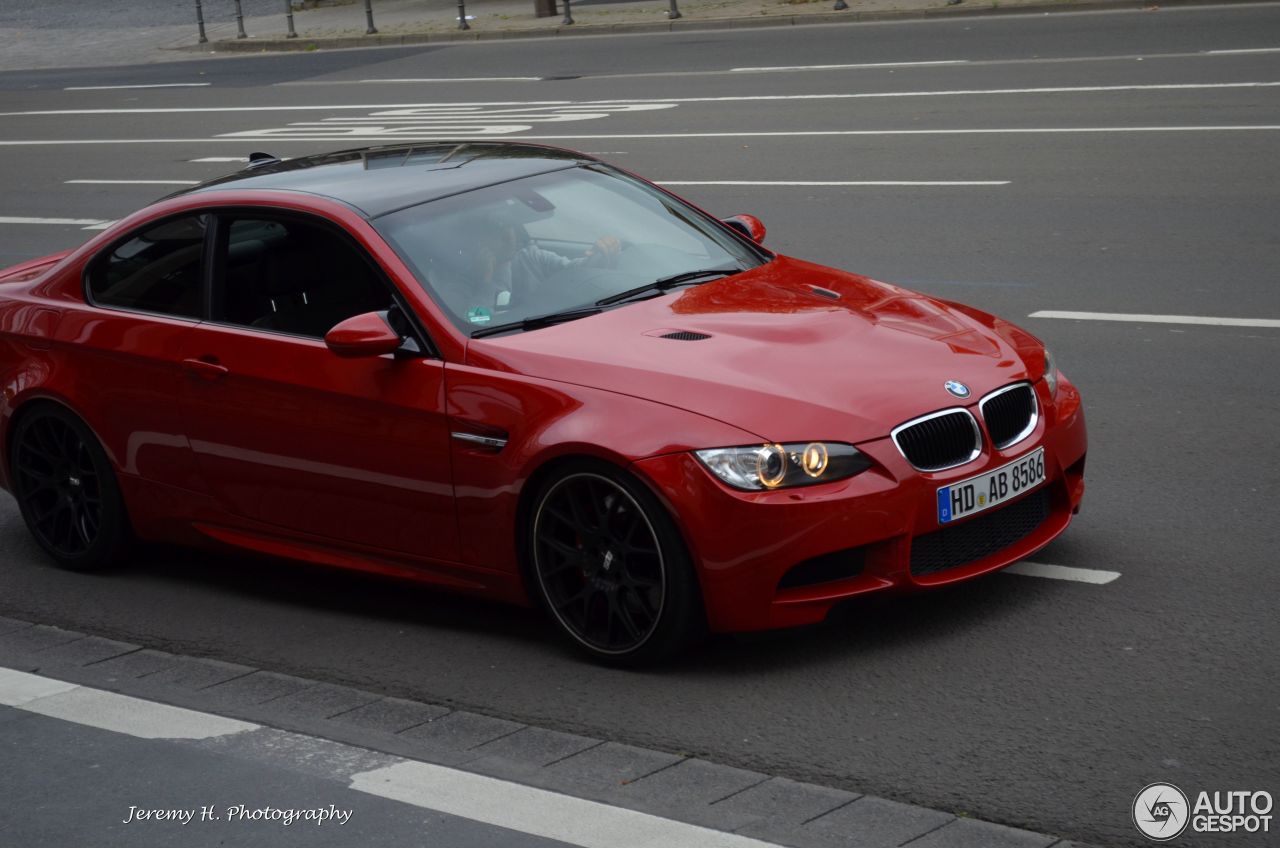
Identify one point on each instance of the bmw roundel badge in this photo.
(956, 388)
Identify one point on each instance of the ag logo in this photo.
(956, 388)
(1161, 812)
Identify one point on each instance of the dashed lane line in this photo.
(1138, 318)
(132, 182)
(84, 223)
(833, 182)
(1062, 572)
(154, 85)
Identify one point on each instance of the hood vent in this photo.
(685, 336)
(821, 292)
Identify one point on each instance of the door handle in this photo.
(207, 368)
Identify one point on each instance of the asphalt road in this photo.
(1134, 171)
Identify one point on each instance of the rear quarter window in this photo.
(159, 269)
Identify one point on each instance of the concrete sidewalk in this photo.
(340, 24)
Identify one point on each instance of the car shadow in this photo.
(860, 627)
(349, 593)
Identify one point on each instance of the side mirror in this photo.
(363, 335)
(749, 225)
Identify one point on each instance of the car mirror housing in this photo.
(749, 225)
(363, 335)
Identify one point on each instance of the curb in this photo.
(303, 44)
(674, 786)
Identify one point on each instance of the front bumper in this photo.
(745, 543)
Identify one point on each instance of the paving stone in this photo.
(192, 673)
(536, 747)
(604, 769)
(461, 731)
(257, 688)
(968, 833)
(37, 638)
(779, 805)
(321, 701)
(138, 664)
(82, 652)
(391, 715)
(875, 823)
(688, 789)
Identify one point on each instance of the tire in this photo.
(67, 490)
(608, 564)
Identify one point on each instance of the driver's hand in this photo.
(605, 250)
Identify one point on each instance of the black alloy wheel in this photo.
(611, 568)
(66, 489)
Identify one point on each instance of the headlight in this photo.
(759, 467)
(1050, 373)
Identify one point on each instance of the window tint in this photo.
(554, 241)
(293, 277)
(158, 270)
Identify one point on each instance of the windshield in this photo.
(553, 242)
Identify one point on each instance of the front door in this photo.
(290, 435)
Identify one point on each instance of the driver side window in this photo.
(290, 276)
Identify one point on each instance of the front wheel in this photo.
(610, 566)
(67, 490)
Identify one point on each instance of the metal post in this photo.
(462, 14)
(200, 22)
(368, 14)
(674, 11)
(288, 13)
(568, 14)
(240, 21)
(841, 5)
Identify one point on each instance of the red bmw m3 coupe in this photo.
(519, 372)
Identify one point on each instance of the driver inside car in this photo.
(507, 260)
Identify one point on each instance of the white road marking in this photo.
(539, 812)
(433, 79)
(101, 225)
(453, 120)
(850, 67)
(958, 92)
(131, 182)
(111, 711)
(62, 222)
(18, 688)
(221, 159)
(1137, 318)
(51, 142)
(1238, 52)
(1062, 572)
(832, 182)
(156, 85)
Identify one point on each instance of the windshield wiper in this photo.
(536, 321)
(666, 283)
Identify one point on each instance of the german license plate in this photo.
(991, 489)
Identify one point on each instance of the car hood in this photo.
(792, 352)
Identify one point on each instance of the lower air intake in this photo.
(979, 537)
